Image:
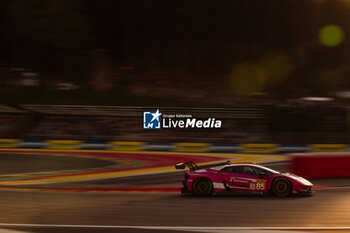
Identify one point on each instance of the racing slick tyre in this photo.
(281, 187)
(202, 187)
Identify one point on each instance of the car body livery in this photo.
(248, 177)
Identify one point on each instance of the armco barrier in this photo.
(321, 166)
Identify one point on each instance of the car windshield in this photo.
(269, 170)
(248, 170)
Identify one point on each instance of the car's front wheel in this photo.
(281, 187)
(203, 187)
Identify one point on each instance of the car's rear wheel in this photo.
(203, 187)
(281, 187)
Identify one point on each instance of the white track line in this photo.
(184, 228)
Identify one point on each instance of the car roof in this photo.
(239, 164)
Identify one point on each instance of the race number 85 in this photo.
(260, 186)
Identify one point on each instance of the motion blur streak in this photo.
(78, 76)
(182, 228)
(177, 210)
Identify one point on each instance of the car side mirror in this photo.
(219, 172)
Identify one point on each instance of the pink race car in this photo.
(249, 177)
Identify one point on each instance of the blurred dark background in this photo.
(269, 57)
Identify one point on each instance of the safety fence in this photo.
(250, 148)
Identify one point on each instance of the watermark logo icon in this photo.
(152, 120)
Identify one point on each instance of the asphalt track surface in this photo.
(25, 163)
(326, 208)
(121, 212)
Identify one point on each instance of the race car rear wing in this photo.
(193, 166)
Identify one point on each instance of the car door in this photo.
(235, 179)
(247, 178)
